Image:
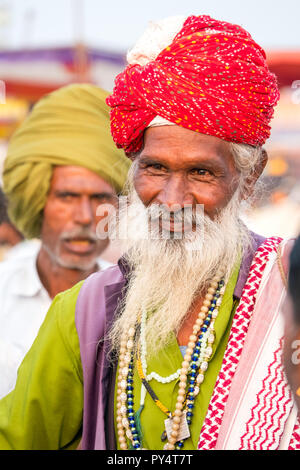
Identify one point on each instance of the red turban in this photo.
(213, 78)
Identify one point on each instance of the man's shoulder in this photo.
(97, 301)
(19, 258)
(281, 247)
(95, 287)
(259, 240)
(108, 276)
(11, 268)
(89, 289)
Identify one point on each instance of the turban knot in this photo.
(68, 127)
(212, 78)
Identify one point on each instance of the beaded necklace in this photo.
(152, 375)
(194, 366)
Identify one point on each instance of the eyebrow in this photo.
(60, 192)
(148, 159)
(216, 164)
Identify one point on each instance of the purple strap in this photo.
(96, 304)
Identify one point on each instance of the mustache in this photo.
(79, 234)
(187, 214)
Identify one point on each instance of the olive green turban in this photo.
(70, 126)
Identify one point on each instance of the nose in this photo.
(173, 195)
(84, 212)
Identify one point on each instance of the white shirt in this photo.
(24, 303)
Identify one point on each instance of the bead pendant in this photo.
(183, 431)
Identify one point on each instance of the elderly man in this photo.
(61, 165)
(179, 345)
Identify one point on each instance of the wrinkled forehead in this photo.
(175, 143)
(77, 178)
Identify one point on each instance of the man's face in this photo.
(69, 220)
(180, 167)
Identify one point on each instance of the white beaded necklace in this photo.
(153, 374)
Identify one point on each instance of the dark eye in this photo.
(104, 198)
(156, 166)
(200, 172)
(66, 196)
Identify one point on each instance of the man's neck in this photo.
(56, 278)
(190, 319)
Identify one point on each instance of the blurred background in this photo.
(50, 43)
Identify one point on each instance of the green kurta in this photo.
(42, 390)
(169, 361)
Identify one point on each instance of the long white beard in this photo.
(167, 275)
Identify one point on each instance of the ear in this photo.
(134, 155)
(251, 180)
(131, 156)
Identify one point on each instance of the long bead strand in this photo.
(178, 413)
(126, 346)
(205, 352)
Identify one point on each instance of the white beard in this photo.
(167, 275)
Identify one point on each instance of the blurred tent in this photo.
(285, 65)
(31, 73)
